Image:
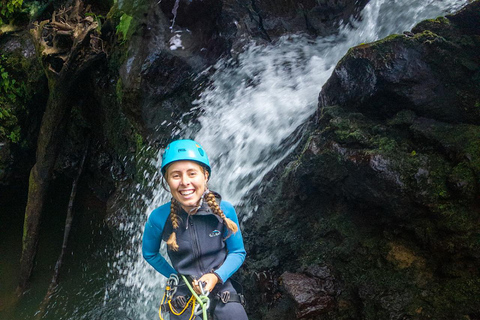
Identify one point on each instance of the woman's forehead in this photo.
(183, 165)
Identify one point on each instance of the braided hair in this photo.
(212, 203)
(172, 240)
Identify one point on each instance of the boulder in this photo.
(432, 71)
(308, 293)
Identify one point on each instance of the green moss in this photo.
(139, 141)
(438, 20)
(404, 117)
(119, 90)
(455, 294)
(463, 139)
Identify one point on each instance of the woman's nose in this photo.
(185, 180)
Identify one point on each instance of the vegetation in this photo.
(9, 10)
(123, 26)
(12, 93)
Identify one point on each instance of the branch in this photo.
(68, 225)
(61, 25)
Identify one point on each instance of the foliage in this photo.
(9, 9)
(123, 26)
(11, 94)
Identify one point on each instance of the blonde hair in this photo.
(212, 203)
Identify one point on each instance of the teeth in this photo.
(186, 193)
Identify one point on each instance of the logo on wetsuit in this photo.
(214, 233)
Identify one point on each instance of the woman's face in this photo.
(187, 182)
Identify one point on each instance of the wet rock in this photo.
(173, 42)
(418, 73)
(310, 299)
(272, 19)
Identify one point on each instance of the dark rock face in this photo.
(271, 19)
(420, 72)
(384, 190)
(312, 295)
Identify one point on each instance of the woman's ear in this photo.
(164, 184)
(206, 175)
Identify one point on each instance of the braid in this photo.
(172, 240)
(212, 203)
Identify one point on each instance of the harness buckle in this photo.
(225, 296)
(180, 302)
(242, 299)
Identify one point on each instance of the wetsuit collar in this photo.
(203, 208)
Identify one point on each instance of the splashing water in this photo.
(174, 12)
(250, 115)
(254, 106)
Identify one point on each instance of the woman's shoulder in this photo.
(227, 207)
(160, 214)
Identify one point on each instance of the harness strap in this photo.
(180, 302)
(227, 297)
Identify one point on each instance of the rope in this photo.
(203, 301)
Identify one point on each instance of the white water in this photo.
(250, 110)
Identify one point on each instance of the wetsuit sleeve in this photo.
(236, 250)
(152, 238)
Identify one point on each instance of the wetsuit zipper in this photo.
(196, 246)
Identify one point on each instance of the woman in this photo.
(202, 233)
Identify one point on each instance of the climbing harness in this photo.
(170, 290)
(200, 303)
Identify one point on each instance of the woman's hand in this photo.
(209, 280)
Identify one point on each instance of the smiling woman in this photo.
(187, 181)
(203, 239)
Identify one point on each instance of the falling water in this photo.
(250, 112)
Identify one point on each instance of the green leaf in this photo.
(124, 25)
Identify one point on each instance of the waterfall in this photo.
(249, 114)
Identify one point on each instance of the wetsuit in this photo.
(202, 249)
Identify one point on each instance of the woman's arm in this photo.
(152, 238)
(236, 250)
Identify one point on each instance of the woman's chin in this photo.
(187, 206)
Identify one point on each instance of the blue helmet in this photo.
(184, 150)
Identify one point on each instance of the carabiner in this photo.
(172, 284)
(203, 306)
(205, 301)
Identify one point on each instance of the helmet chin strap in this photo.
(200, 202)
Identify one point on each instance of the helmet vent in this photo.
(180, 150)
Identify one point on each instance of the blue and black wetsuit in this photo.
(202, 249)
